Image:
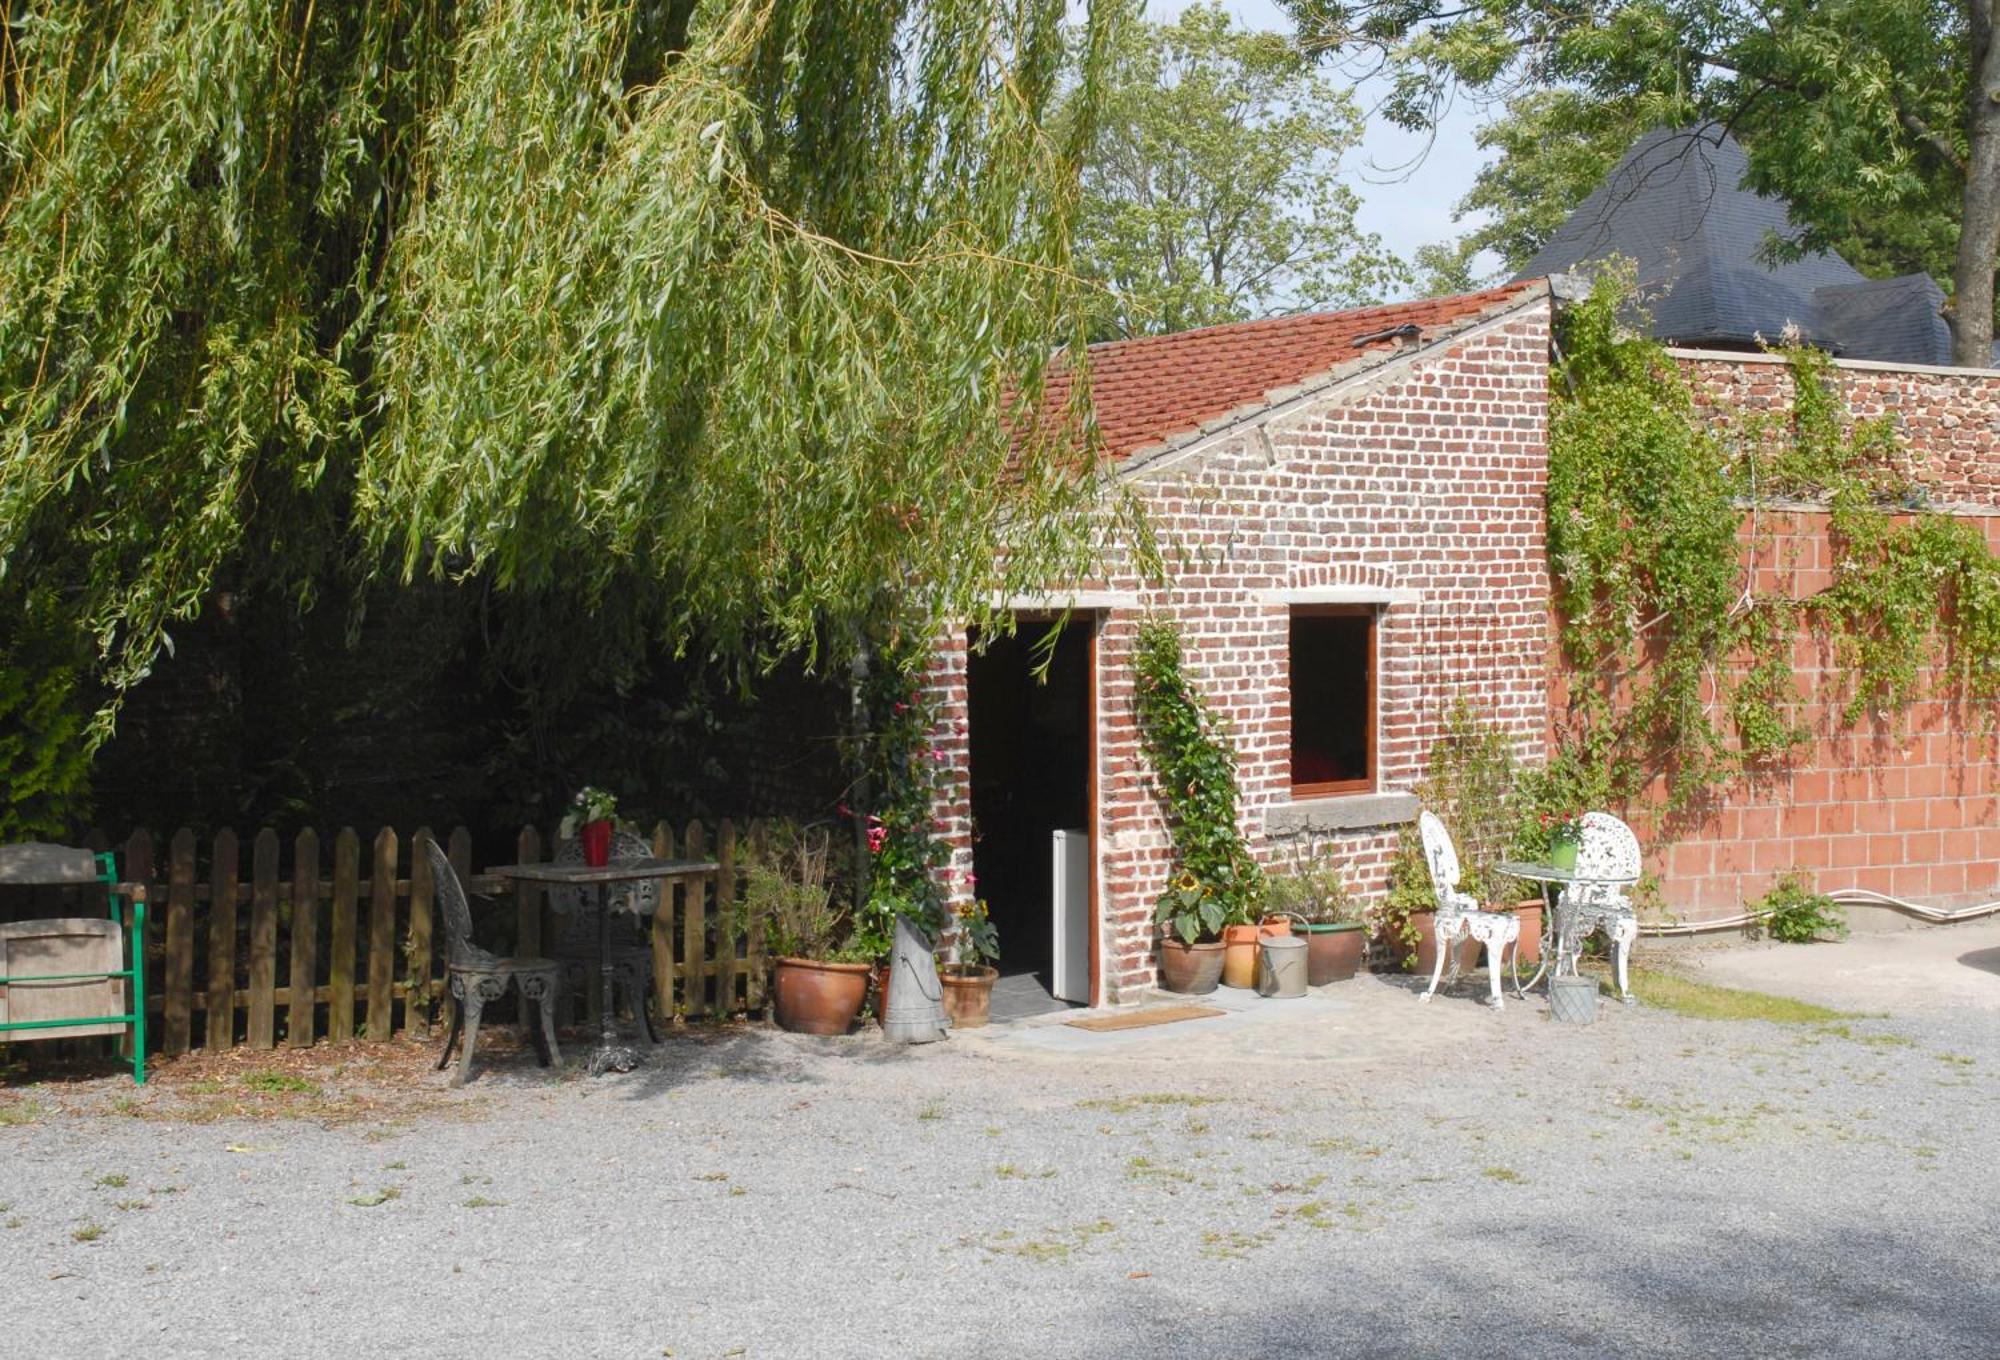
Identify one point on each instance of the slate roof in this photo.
(1158, 390)
(1676, 206)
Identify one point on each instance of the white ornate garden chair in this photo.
(1607, 858)
(1458, 914)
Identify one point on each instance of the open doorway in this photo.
(1031, 743)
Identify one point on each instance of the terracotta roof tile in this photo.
(1153, 389)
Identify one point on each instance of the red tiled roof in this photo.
(1150, 390)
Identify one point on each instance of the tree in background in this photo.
(1873, 119)
(687, 324)
(1212, 190)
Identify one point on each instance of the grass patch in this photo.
(1683, 995)
(931, 1112)
(382, 1196)
(111, 1182)
(21, 1112)
(1507, 1175)
(481, 1202)
(89, 1232)
(273, 1083)
(1146, 1169)
(1128, 1104)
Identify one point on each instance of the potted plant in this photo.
(1192, 918)
(1564, 828)
(819, 976)
(1314, 893)
(590, 820)
(1217, 884)
(969, 976)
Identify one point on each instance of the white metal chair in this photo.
(1608, 851)
(1459, 916)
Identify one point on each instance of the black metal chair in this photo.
(475, 977)
(576, 939)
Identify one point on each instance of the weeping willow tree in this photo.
(701, 320)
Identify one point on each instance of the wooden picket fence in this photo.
(353, 948)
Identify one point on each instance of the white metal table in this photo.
(1559, 942)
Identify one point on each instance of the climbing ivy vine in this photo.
(1681, 667)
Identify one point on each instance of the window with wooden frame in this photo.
(1333, 699)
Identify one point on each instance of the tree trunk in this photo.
(1979, 221)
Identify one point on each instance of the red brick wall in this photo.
(1427, 481)
(1905, 805)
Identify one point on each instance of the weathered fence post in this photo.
(340, 968)
(382, 937)
(260, 1029)
(304, 991)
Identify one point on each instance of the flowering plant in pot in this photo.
(971, 944)
(819, 976)
(1314, 892)
(591, 819)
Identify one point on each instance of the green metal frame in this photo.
(135, 933)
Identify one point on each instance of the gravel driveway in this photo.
(1358, 1175)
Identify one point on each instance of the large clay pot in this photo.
(1529, 913)
(1239, 950)
(818, 998)
(1426, 926)
(881, 976)
(968, 993)
(1333, 952)
(1190, 968)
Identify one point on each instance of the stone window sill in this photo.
(1344, 812)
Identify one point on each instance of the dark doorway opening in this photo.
(1030, 744)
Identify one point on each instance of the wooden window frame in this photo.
(1338, 787)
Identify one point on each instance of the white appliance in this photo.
(1070, 874)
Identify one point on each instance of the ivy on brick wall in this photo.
(1680, 669)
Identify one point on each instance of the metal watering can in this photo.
(1281, 963)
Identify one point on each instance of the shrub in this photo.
(1794, 914)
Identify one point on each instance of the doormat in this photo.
(1154, 1015)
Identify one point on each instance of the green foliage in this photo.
(1312, 886)
(786, 886)
(1476, 786)
(1794, 914)
(1857, 112)
(1681, 670)
(974, 939)
(905, 866)
(1216, 881)
(1213, 189)
(698, 321)
(44, 751)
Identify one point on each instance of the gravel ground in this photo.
(1361, 1176)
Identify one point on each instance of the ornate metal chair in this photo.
(475, 977)
(1608, 850)
(576, 940)
(1458, 914)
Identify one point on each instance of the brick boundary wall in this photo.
(1904, 805)
(1423, 484)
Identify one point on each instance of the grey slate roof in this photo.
(1676, 206)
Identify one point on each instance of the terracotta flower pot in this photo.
(596, 838)
(1426, 927)
(968, 993)
(818, 998)
(1333, 951)
(881, 976)
(1239, 950)
(1190, 968)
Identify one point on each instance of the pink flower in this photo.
(902, 707)
(971, 879)
(841, 809)
(878, 836)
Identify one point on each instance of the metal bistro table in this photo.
(611, 1054)
(1558, 940)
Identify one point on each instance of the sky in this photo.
(1407, 207)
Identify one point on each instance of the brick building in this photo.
(1353, 505)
